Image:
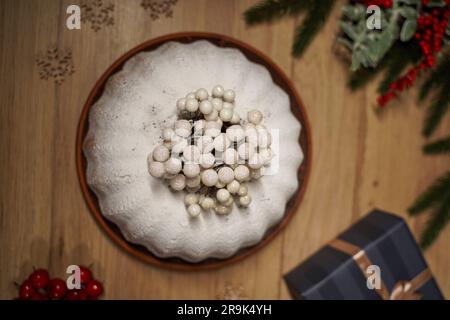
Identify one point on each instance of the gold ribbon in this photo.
(403, 290)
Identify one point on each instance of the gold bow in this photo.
(403, 290)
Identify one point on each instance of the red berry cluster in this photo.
(381, 3)
(429, 34)
(39, 286)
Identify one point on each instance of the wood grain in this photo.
(360, 160)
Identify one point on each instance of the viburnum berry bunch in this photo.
(430, 33)
(211, 152)
(39, 286)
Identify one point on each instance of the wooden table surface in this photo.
(360, 160)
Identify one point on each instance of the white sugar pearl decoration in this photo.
(191, 170)
(233, 186)
(167, 144)
(199, 126)
(201, 94)
(191, 153)
(255, 174)
(246, 150)
(243, 190)
(194, 210)
(230, 156)
(218, 91)
(264, 138)
(193, 182)
(207, 160)
(191, 198)
(220, 185)
(173, 166)
(251, 136)
(226, 175)
(266, 156)
(212, 116)
(235, 119)
(178, 183)
(183, 128)
(193, 190)
(255, 116)
(228, 95)
(209, 177)
(221, 142)
(229, 202)
(168, 134)
(255, 161)
(241, 173)
(245, 201)
(179, 146)
(190, 95)
(156, 169)
(181, 104)
(206, 107)
(207, 203)
(235, 133)
(222, 195)
(161, 153)
(226, 115)
(217, 104)
(205, 144)
(228, 105)
(192, 105)
(212, 129)
(223, 210)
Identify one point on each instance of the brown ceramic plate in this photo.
(297, 109)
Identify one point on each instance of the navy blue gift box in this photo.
(341, 269)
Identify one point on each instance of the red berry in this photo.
(26, 290)
(39, 278)
(38, 296)
(57, 289)
(94, 289)
(85, 275)
(82, 295)
(73, 295)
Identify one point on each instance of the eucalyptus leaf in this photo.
(436, 4)
(409, 12)
(349, 30)
(410, 2)
(408, 30)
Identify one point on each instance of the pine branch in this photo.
(401, 53)
(315, 18)
(439, 74)
(361, 77)
(438, 108)
(400, 57)
(438, 146)
(437, 191)
(439, 219)
(270, 10)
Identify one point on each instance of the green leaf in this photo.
(354, 12)
(408, 30)
(349, 30)
(409, 13)
(436, 4)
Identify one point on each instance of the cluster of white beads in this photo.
(211, 153)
